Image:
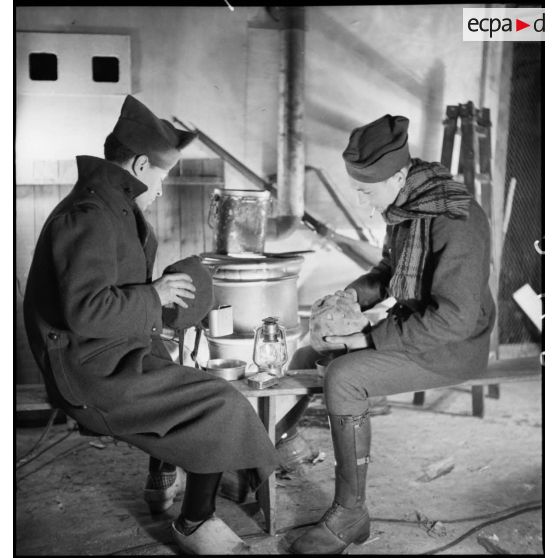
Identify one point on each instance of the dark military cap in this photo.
(177, 317)
(142, 132)
(378, 150)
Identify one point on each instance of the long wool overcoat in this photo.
(93, 321)
(448, 329)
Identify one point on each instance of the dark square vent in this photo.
(43, 66)
(106, 68)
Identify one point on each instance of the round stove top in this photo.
(272, 266)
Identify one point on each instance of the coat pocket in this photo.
(101, 348)
(63, 367)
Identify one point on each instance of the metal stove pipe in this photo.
(290, 141)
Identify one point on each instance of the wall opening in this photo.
(43, 66)
(106, 69)
(85, 64)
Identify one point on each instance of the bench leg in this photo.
(266, 492)
(493, 391)
(418, 398)
(478, 401)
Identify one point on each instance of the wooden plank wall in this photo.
(179, 218)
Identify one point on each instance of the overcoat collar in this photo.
(107, 174)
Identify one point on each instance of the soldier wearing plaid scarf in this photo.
(436, 263)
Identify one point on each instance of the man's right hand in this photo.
(350, 293)
(173, 288)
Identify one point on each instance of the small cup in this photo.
(321, 365)
(221, 321)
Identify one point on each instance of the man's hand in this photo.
(352, 342)
(351, 293)
(173, 288)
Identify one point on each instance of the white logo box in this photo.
(503, 24)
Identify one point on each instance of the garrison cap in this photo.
(142, 132)
(378, 150)
(177, 317)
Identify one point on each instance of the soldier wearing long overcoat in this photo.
(94, 319)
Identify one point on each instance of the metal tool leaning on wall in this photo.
(357, 251)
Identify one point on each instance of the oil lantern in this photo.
(270, 347)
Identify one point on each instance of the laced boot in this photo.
(347, 520)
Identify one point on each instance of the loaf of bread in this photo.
(336, 314)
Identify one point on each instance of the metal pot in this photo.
(254, 300)
(256, 289)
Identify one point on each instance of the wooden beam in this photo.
(478, 400)
(266, 494)
(31, 397)
(495, 95)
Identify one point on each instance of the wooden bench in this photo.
(498, 372)
(308, 382)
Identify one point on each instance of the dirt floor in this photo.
(84, 495)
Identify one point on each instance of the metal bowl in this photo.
(226, 368)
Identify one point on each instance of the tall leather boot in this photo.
(347, 520)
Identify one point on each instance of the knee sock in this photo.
(199, 500)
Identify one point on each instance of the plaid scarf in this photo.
(429, 191)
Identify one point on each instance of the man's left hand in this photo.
(354, 341)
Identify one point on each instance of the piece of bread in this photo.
(334, 315)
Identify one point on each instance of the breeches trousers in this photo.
(352, 378)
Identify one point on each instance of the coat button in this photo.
(125, 211)
(90, 190)
(53, 336)
(153, 329)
